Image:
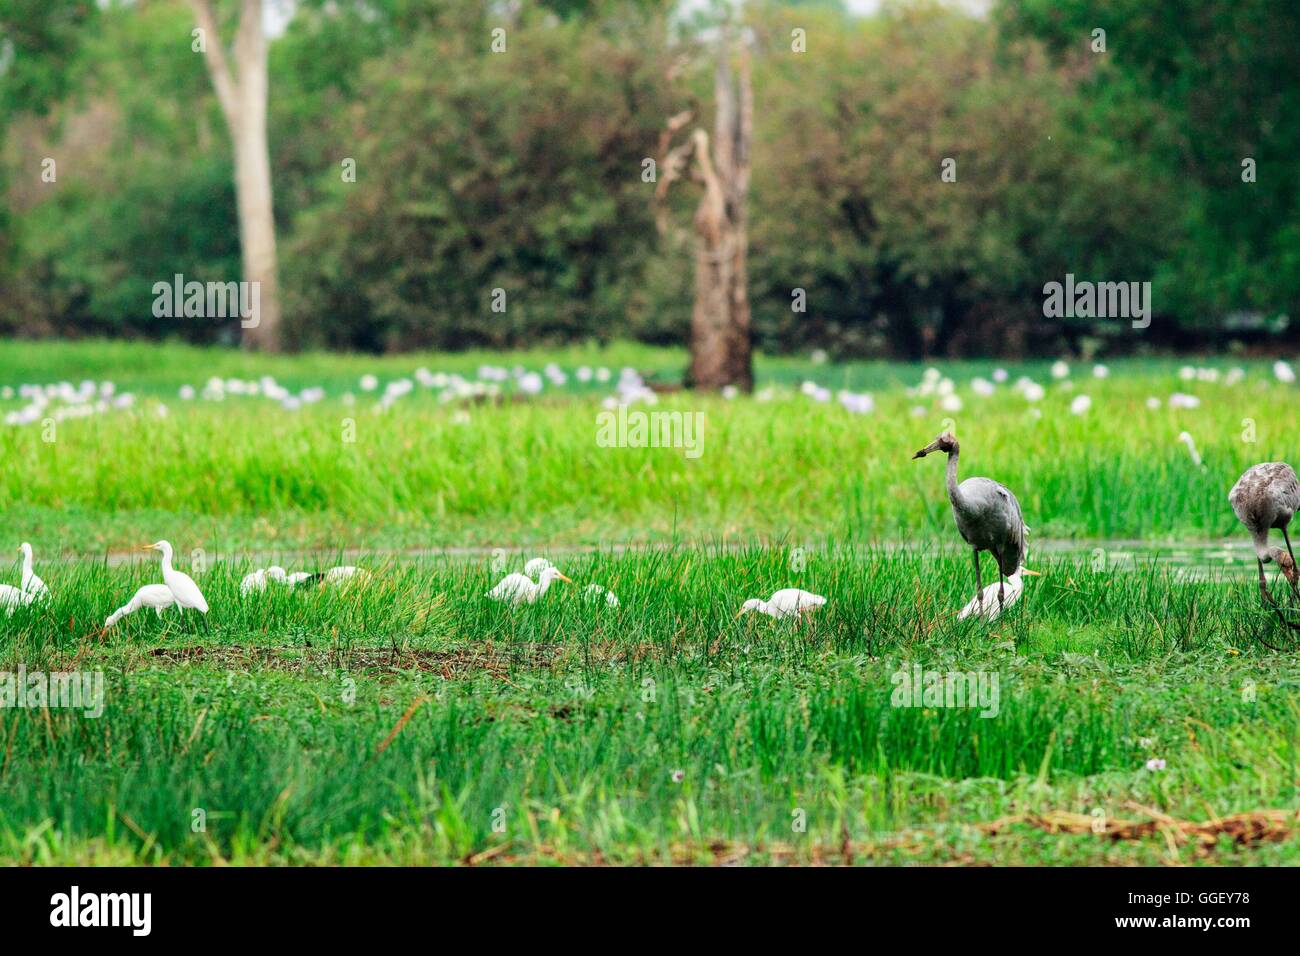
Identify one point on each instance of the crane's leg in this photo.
(1263, 584)
(1287, 538)
(1001, 588)
(979, 584)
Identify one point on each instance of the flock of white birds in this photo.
(531, 584)
(177, 590)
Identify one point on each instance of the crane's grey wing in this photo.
(1012, 553)
(1266, 495)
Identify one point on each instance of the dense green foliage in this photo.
(522, 171)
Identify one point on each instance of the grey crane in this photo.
(1266, 497)
(988, 517)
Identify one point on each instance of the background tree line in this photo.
(524, 171)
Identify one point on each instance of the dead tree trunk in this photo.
(243, 97)
(720, 321)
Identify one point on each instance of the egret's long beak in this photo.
(933, 446)
(739, 614)
(563, 578)
(1034, 574)
(146, 547)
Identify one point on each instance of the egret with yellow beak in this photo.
(186, 592)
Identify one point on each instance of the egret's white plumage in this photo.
(157, 596)
(345, 572)
(12, 598)
(521, 589)
(31, 583)
(257, 580)
(186, 592)
(786, 603)
(986, 604)
(535, 566)
(593, 593)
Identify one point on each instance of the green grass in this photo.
(245, 473)
(664, 730)
(660, 730)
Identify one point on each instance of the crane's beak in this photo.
(933, 446)
(146, 547)
(563, 578)
(1033, 574)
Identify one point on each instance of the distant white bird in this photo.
(520, 589)
(345, 572)
(536, 566)
(184, 589)
(257, 580)
(11, 598)
(786, 603)
(31, 583)
(593, 592)
(157, 596)
(299, 577)
(986, 604)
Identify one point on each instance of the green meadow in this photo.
(407, 719)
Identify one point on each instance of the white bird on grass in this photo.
(12, 598)
(186, 592)
(157, 596)
(32, 584)
(592, 593)
(536, 566)
(786, 603)
(256, 581)
(520, 589)
(345, 572)
(986, 604)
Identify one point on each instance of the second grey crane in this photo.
(1266, 497)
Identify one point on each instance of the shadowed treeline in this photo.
(1166, 157)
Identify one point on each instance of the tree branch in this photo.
(214, 56)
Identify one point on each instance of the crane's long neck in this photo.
(167, 561)
(1262, 550)
(27, 565)
(954, 490)
(543, 584)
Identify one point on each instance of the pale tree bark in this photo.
(242, 93)
(721, 349)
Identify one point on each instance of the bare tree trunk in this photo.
(720, 321)
(243, 98)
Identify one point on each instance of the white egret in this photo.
(593, 592)
(31, 583)
(986, 604)
(520, 589)
(256, 581)
(11, 598)
(786, 603)
(157, 596)
(536, 566)
(182, 586)
(345, 572)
